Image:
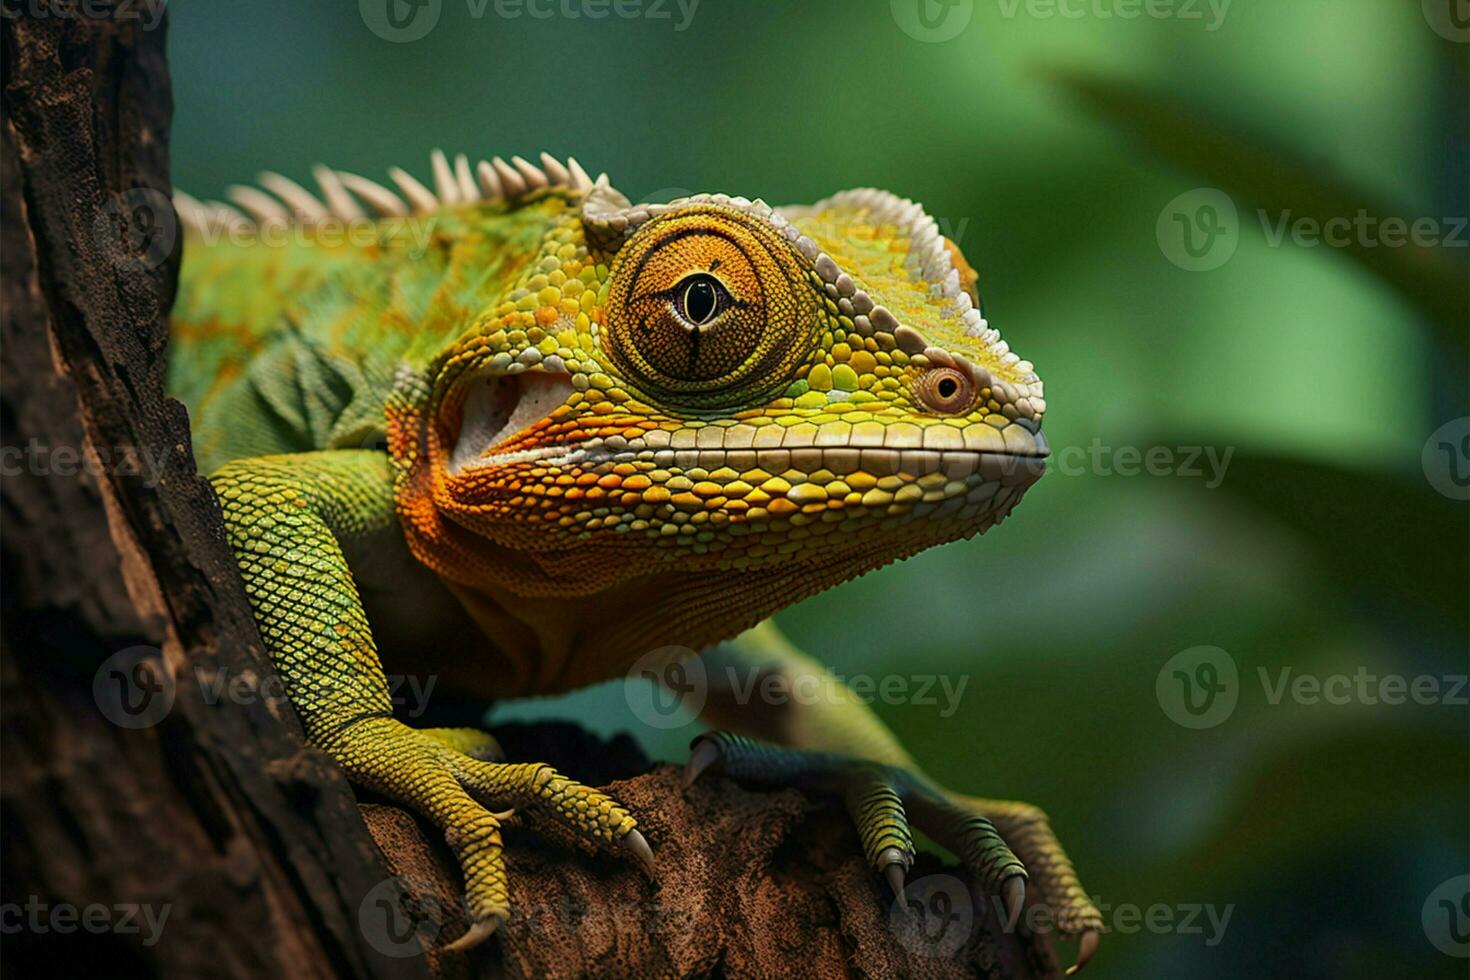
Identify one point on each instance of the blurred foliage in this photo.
(1048, 146)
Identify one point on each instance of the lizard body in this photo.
(594, 429)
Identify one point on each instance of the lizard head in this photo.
(715, 397)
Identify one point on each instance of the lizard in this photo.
(512, 428)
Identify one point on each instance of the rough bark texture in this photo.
(216, 810)
(132, 778)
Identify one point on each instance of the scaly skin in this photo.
(602, 429)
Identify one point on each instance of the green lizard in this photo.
(519, 432)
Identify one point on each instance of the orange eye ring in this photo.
(707, 309)
(946, 390)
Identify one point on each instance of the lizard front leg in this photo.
(836, 745)
(286, 518)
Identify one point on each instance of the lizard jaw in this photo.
(1006, 468)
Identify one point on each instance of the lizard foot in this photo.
(472, 742)
(437, 772)
(1004, 844)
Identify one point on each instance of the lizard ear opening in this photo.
(500, 407)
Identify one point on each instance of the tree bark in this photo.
(161, 813)
(120, 592)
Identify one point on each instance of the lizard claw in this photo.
(893, 865)
(477, 934)
(705, 754)
(1086, 947)
(638, 844)
(1014, 891)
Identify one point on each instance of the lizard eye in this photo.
(700, 298)
(946, 390)
(709, 309)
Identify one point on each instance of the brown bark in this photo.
(216, 811)
(749, 884)
(130, 785)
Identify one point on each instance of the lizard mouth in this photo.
(501, 407)
(839, 461)
(1016, 453)
(943, 470)
(494, 414)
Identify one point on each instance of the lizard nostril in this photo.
(946, 390)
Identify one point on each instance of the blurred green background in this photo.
(1051, 147)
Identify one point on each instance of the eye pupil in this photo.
(946, 390)
(700, 301)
